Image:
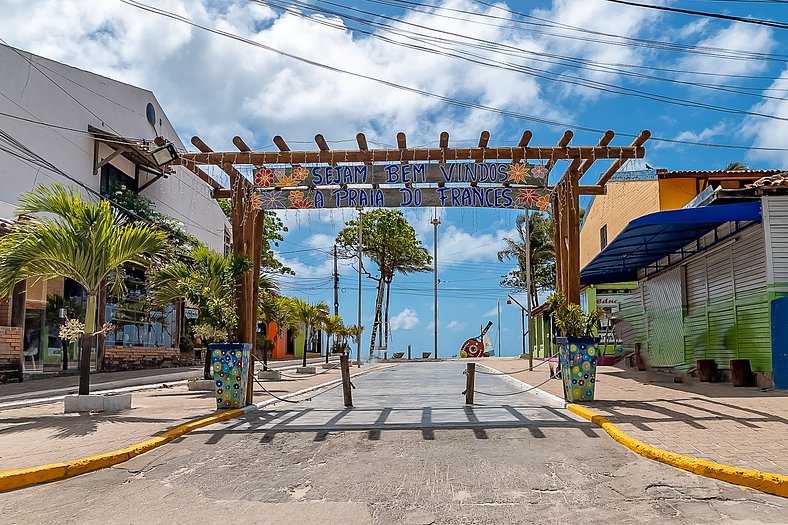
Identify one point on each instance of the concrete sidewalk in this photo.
(41, 434)
(56, 387)
(741, 427)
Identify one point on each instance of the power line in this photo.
(448, 100)
(534, 72)
(756, 21)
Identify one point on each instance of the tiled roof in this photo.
(779, 179)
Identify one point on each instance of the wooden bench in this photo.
(397, 355)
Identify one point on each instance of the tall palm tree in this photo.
(85, 241)
(542, 254)
(208, 280)
(309, 315)
(331, 325)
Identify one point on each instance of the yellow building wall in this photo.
(624, 201)
(675, 193)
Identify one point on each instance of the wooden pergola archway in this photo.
(247, 212)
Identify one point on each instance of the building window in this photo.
(112, 178)
(228, 243)
(603, 237)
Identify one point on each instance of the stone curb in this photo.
(776, 484)
(21, 478)
(506, 376)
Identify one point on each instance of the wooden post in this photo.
(256, 256)
(345, 366)
(573, 238)
(470, 379)
(408, 352)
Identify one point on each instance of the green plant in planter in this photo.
(570, 319)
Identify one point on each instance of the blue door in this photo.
(779, 344)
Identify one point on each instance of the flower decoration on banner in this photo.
(272, 200)
(280, 173)
(539, 171)
(543, 203)
(300, 173)
(299, 201)
(528, 197)
(264, 177)
(256, 202)
(286, 181)
(518, 173)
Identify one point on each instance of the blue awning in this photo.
(648, 239)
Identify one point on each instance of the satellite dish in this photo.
(150, 114)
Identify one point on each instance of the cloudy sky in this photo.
(293, 69)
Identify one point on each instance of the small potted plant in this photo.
(579, 348)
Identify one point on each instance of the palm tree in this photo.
(273, 309)
(309, 315)
(736, 166)
(542, 255)
(332, 324)
(85, 241)
(208, 280)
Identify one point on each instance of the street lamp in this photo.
(165, 154)
(360, 221)
(522, 313)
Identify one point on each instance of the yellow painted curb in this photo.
(17, 479)
(763, 481)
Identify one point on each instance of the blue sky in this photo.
(217, 87)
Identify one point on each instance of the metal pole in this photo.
(435, 222)
(358, 349)
(528, 284)
(500, 343)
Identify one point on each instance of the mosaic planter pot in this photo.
(579, 357)
(230, 363)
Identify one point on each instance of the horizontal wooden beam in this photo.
(484, 139)
(444, 139)
(525, 139)
(402, 141)
(637, 144)
(194, 168)
(361, 139)
(423, 154)
(562, 143)
(240, 144)
(280, 143)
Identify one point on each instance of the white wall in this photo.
(89, 99)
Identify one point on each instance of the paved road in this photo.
(409, 452)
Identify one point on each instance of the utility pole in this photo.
(358, 348)
(435, 222)
(336, 283)
(528, 284)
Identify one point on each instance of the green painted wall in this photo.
(735, 327)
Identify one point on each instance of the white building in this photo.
(97, 132)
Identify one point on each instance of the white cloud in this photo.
(491, 312)
(704, 135)
(407, 319)
(456, 245)
(737, 36)
(455, 326)
(217, 87)
(770, 133)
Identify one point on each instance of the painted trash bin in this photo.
(578, 367)
(230, 362)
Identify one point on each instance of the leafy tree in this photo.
(331, 325)
(85, 241)
(207, 280)
(143, 210)
(542, 230)
(391, 243)
(273, 228)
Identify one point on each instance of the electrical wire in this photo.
(517, 371)
(743, 20)
(448, 100)
(518, 392)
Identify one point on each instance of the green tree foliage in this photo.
(542, 230)
(143, 210)
(273, 228)
(311, 316)
(736, 166)
(88, 242)
(391, 243)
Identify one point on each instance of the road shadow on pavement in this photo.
(72, 425)
(374, 421)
